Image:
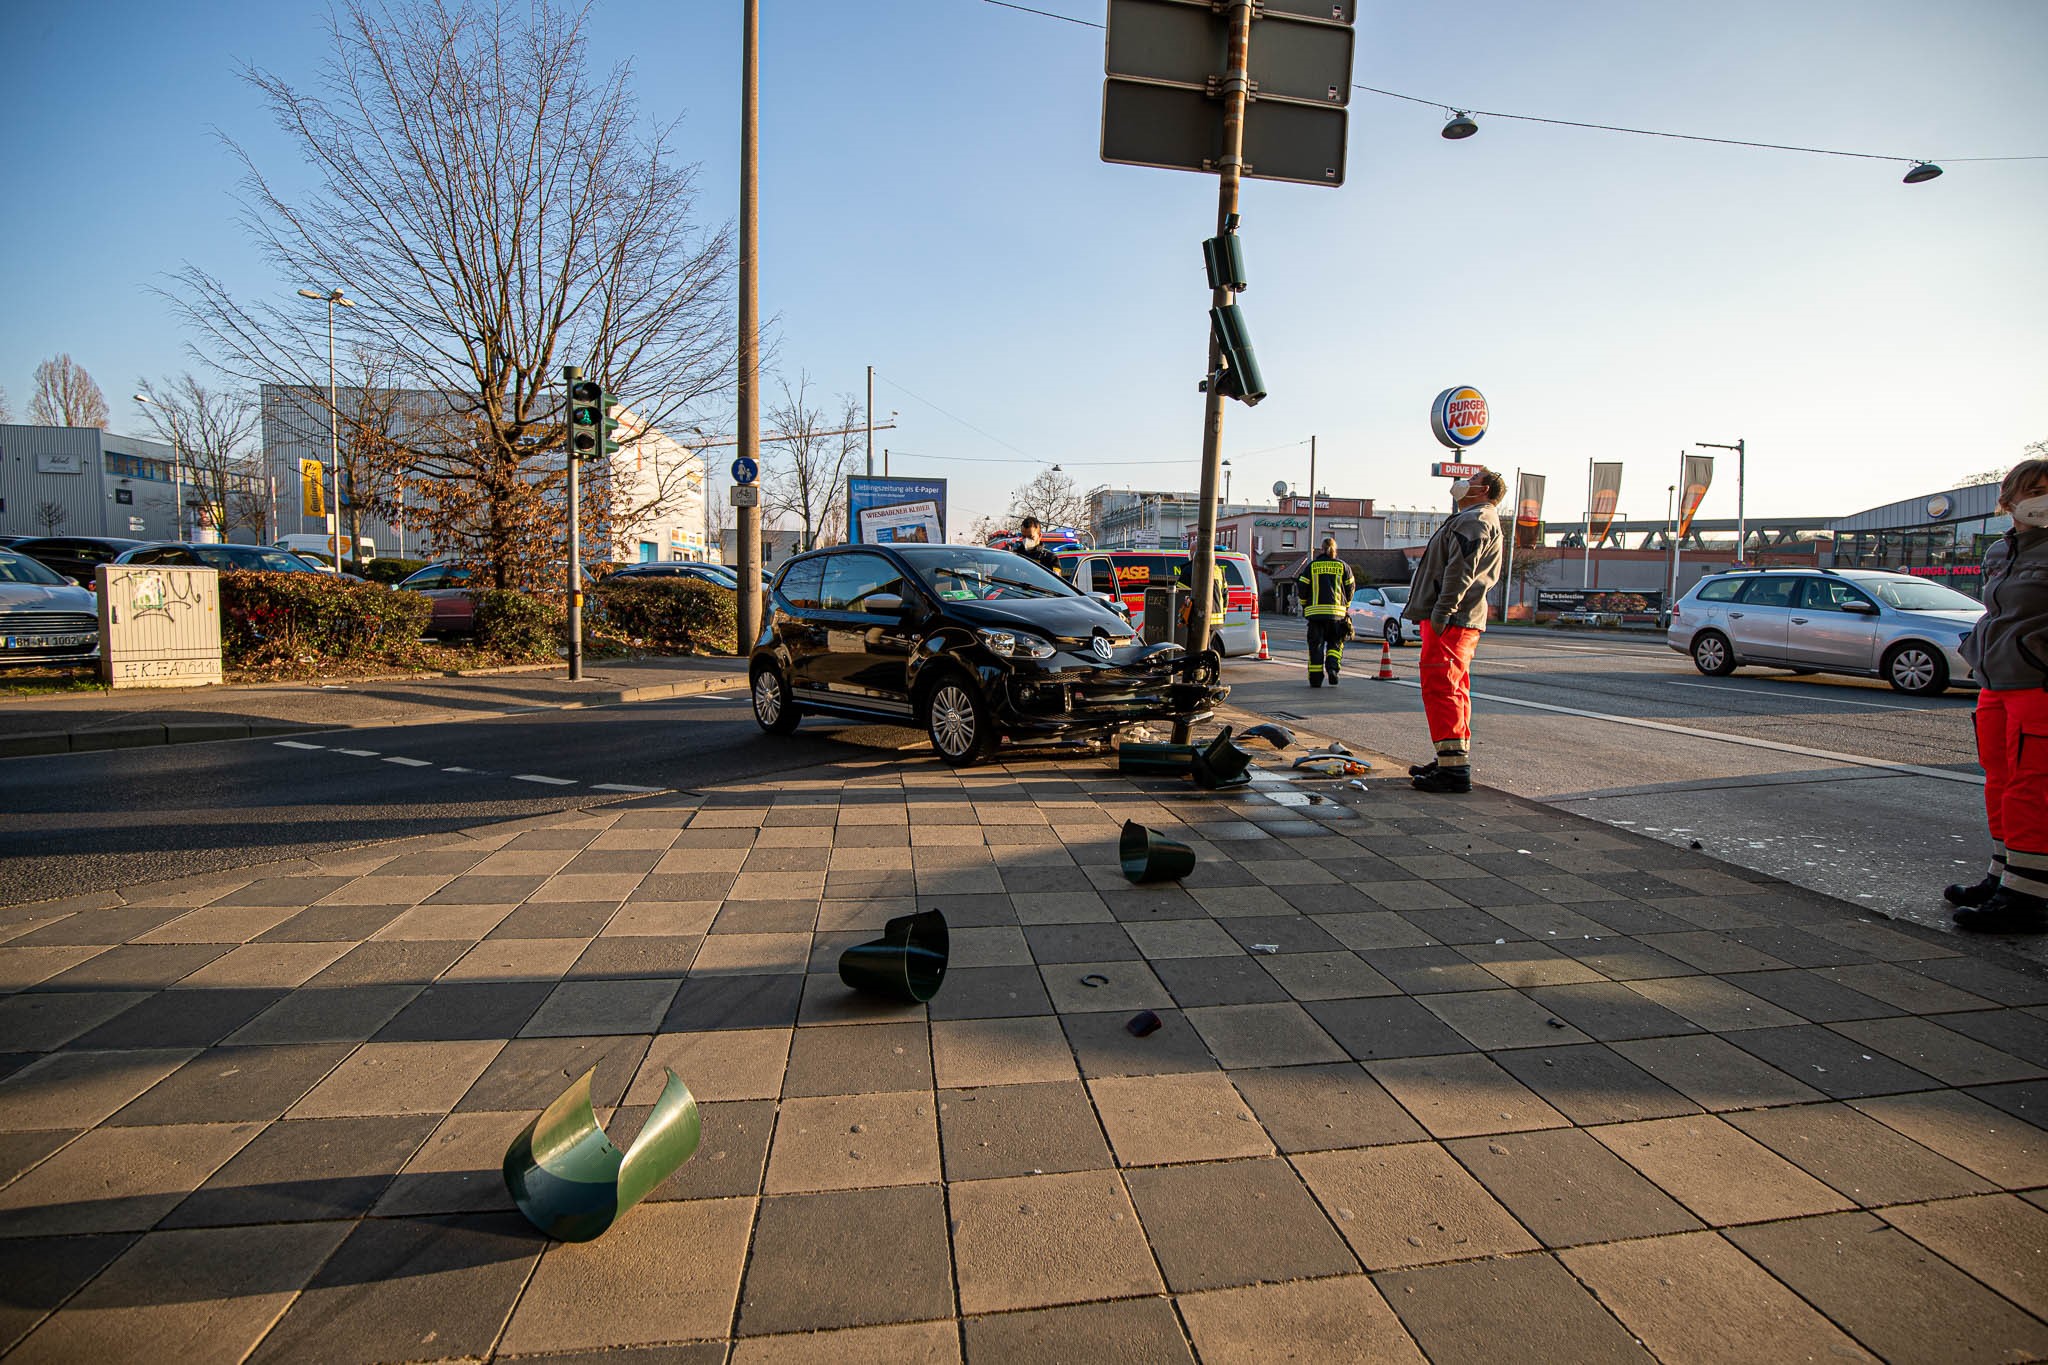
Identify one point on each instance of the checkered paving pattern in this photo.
(1436, 1079)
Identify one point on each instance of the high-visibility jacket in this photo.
(1326, 587)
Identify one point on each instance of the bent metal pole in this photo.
(1202, 575)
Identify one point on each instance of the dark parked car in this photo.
(261, 558)
(969, 642)
(75, 557)
(715, 574)
(447, 587)
(44, 618)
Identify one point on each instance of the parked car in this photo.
(716, 574)
(259, 558)
(446, 586)
(1861, 621)
(971, 643)
(75, 557)
(1125, 574)
(1376, 613)
(44, 617)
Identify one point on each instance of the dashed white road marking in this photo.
(549, 781)
(410, 762)
(294, 744)
(358, 753)
(622, 787)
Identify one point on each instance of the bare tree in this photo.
(981, 528)
(209, 430)
(496, 210)
(6, 413)
(65, 396)
(1052, 497)
(252, 500)
(809, 459)
(50, 516)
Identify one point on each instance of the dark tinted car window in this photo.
(1721, 590)
(163, 554)
(803, 583)
(1233, 573)
(851, 580)
(21, 569)
(1772, 591)
(425, 579)
(1827, 594)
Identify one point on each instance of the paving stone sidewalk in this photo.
(1511, 1085)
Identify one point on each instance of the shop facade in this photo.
(1941, 536)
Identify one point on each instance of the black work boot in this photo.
(2007, 912)
(1450, 781)
(1975, 894)
(1423, 769)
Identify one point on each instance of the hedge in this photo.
(293, 619)
(514, 625)
(669, 613)
(390, 570)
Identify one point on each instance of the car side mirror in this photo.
(883, 604)
(1861, 608)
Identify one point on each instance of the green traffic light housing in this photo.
(586, 414)
(1223, 258)
(1239, 378)
(608, 423)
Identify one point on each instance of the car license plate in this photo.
(47, 641)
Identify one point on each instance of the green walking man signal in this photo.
(591, 423)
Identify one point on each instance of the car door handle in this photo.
(1799, 620)
(1735, 616)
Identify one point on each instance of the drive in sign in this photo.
(1457, 471)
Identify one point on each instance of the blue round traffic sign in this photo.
(745, 470)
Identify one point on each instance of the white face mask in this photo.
(1459, 488)
(2031, 513)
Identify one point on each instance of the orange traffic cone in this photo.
(1386, 673)
(1265, 655)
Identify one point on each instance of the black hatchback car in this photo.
(75, 557)
(971, 643)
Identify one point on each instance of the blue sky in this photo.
(933, 204)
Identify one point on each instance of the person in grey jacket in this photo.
(2007, 651)
(1447, 598)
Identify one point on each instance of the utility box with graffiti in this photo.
(159, 625)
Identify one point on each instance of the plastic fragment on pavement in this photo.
(573, 1183)
(1143, 1024)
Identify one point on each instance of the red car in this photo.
(447, 587)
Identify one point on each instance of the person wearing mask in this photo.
(2007, 652)
(1448, 600)
(1035, 549)
(1326, 585)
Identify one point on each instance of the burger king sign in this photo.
(1458, 417)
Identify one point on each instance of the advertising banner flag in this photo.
(1699, 472)
(1606, 496)
(312, 499)
(1529, 510)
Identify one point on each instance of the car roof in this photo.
(121, 541)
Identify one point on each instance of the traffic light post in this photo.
(591, 425)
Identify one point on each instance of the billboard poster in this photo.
(1631, 603)
(1604, 495)
(1529, 510)
(1699, 473)
(892, 511)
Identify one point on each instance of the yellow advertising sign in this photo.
(310, 476)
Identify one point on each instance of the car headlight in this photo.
(1010, 644)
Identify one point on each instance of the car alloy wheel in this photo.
(1393, 633)
(773, 710)
(1914, 670)
(1710, 655)
(953, 727)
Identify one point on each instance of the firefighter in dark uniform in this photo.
(1325, 587)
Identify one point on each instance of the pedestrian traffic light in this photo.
(1239, 378)
(586, 418)
(610, 424)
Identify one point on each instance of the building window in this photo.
(124, 496)
(134, 467)
(1287, 540)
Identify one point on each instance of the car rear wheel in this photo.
(1393, 633)
(1916, 669)
(958, 722)
(1711, 654)
(774, 711)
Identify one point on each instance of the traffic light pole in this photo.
(748, 518)
(574, 591)
(1236, 87)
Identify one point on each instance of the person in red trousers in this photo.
(1448, 599)
(2007, 652)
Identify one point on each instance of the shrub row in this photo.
(669, 613)
(388, 570)
(289, 619)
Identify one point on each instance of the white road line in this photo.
(294, 744)
(550, 781)
(358, 753)
(458, 770)
(622, 787)
(1831, 701)
(411, 762)
(1854, 760)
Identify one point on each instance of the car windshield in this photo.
(1396, 594)
(21, 569)
(1912, 594)
(961, 573)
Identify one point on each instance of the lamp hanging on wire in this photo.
(1460, 125)
(1922, 171)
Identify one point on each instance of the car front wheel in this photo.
(774, 711)
(1393, 633)
(1916, 669)
(1712, 656)
(958, 721)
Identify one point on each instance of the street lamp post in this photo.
(1741, 449)
(331, 298)
(177, 465)
(1226, 488)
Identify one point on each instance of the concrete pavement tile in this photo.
(854, 1142)
(584, 1008)
(220, 924)
(1057, 944)
(1621, 959)
(1052, 907)
(1239, 979)
(1811, 995)
(1317, 1108)
(1386, 1026)
(21, 968)
(1895, 1296)
(390, 964)
(529, 1073)
(135, 967)
(79, 1089)
(798, 916)
(1128, 1330)
(342, 1014)
(2010, 1152)
(978, 911)
(2024, 1100)
(1609, 1011)
(752, 955)
(919, 1343)
(181, 1018)
(976, 1052)
(1568, 1189)
(467, 1010)
(460, 1169)
(1411, 895)
(21, 1151)
(271, 966)
(1712, 1003)
(1463, 1095)
(398, 1078)
(1562, 887)
(1837, 1066)
(300, 1170)
(1034, 1241)
(1223, 1223)
(616, 857)
(1325, 976)
(1864, 1159)
(1316, 1322)
(1240, 900)
(1979, 977)
(384, 890)
(1462, 924)
(1409, 1205)
(1417, 971)
(2012, 1031)
(990, 946)
(118, 1179)
(1105, 1046)
(1264, 1035)
(1012, 1130)
(501, 960)
(1995, 1237)
(186, 1295)
(720, 829)
(1908, 992)
(35, 1021)
(537, 864)
(868, 914)
(1712, 952)
(333, 923)
(1715, 1074)
(464, 923)
(1796, 946)
(797, 1276)
(1544, 921)
(233, 1085)
(635, 955)
(1939, 1052)
(776, 886)
(717, 1064)
(1288, 933)
(995, 993)
(297, 892)
(673, 919)
(734, 1002)
(1132, 904)
(1523, 964)
(445, 861)
(1500, 1019)
(100, 927)
(1198, 1116)
(684, 886)
(859, 1058)
(1463, 1313)
(730, 1159)
(1693, 1297)
(1717, 1171)
(42, 1272)
(556, 919)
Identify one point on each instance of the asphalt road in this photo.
(1837, 784)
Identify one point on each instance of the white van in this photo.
(320, 548)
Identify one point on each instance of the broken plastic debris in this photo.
(1358, 785)
(1331, 763)
(572, 1183)
(1279, 736)
(1094, 979)
(1265, 947)
(1143, 1024)
(906, 964)
(1149, 856)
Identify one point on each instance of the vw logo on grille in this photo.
(1100, 644)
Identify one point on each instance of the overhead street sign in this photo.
(1182, 129)
(1184, 43)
